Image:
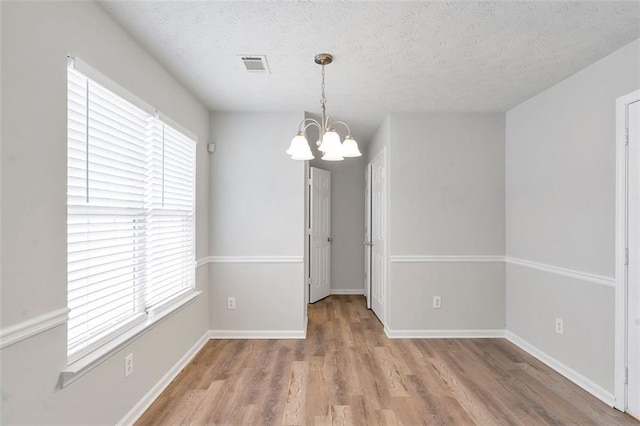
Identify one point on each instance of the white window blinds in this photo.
(130, 219)
(170, 255)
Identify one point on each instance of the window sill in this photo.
(85, 364)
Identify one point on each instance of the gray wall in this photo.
(472, 298)
(446, 199)
(447, 184)
(380, 140)
(347, 223)
(257, 210)
(560, 192)
(36, 37)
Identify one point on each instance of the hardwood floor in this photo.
(348, 372)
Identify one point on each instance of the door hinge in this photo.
(626, 256)
(626, 136)
(309, 281)
(626, 375)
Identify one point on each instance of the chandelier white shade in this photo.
(350, 147)
(329, 142)
(331, 146)
(299, 148)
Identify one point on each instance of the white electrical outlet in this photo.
(559, 326)
(437, 302)
(231, 302)
(128, 365)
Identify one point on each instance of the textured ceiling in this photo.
(388, 56)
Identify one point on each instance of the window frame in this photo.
(147, 317)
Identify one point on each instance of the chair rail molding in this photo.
(202, 262)
(32, 327)
(255, 259)
(448, 259)
(564, 272)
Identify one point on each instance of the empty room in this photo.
(319, 212)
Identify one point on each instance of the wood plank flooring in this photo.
(347, 372)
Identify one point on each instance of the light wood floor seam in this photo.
(347, 372)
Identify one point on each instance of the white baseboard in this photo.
(443, 334)
(306, 325)
(577, 378)
(257, 334)
(356, 291)
(148, 399)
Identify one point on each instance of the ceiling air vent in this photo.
(255, 63)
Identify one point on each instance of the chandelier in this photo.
(329, 141)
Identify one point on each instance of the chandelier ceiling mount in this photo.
(323, 59)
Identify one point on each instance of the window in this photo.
(130, 215)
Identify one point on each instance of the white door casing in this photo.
(367, 235)
(378, 235)
(627, 249)
(320, 241)
(633, 282)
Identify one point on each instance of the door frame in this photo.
(621, 247)
(367, 234)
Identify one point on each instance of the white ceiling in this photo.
(388, 56)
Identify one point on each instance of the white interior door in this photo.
(367, 235)
(378, 235)
(320, 232)
(633, 283)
